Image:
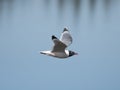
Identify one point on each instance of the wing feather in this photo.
(58, 45)
(66, 38)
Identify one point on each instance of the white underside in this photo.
(56, 54)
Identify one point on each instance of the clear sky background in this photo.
(26, 27)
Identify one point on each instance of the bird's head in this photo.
(71, 53)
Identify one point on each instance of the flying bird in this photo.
(59, 49)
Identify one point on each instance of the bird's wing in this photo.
(58, 45)
(66, 38)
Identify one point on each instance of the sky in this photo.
(26, 28)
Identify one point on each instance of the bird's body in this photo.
(60, 45)
(56, 54)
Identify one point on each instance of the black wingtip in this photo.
(65, 29)
(53, 37)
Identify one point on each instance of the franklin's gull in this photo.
(60, 45)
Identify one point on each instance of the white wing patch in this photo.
(66, 38)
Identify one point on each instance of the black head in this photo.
(71, 53)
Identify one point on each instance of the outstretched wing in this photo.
(58, 45)
(66, 38)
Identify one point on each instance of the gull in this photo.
(59, 49)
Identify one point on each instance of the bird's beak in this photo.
(76, 53)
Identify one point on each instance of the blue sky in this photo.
(26, 28)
